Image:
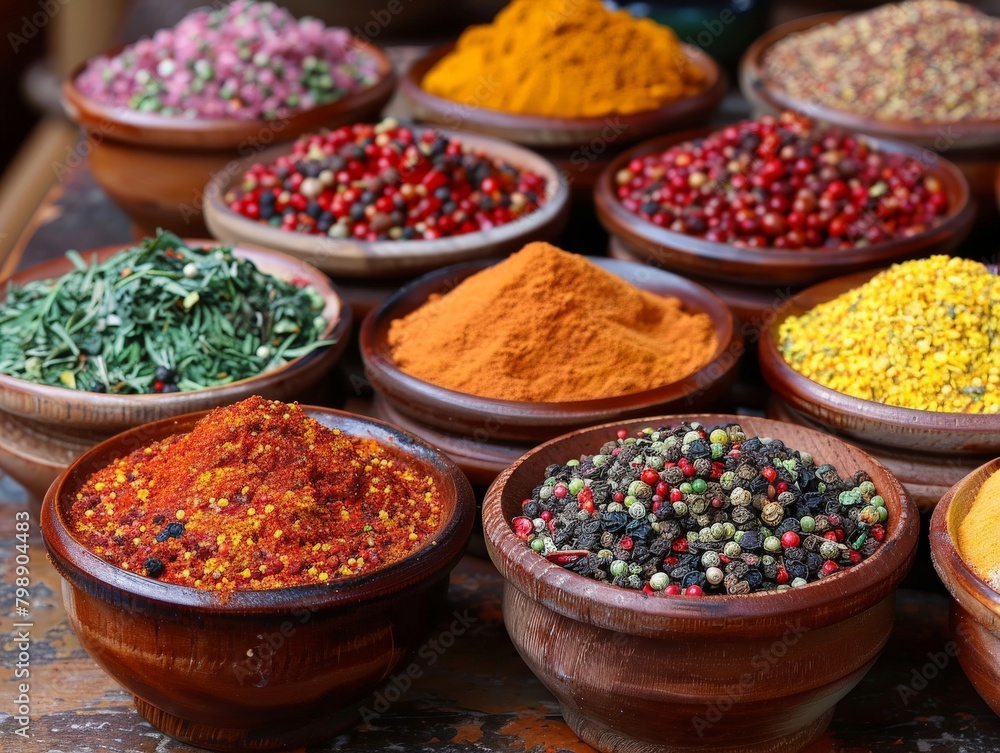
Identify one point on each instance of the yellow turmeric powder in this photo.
(977, 535)
(566, 58)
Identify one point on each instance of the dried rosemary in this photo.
(158, 317)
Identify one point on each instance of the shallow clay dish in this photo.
(353, 258)
(320, 650)
(866, 420)
(975, 607)
(543, 131)
(506, 421)
(722, 673)
(155, 168)
(771, 267)
(51, 425)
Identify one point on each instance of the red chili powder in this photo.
(257, 496)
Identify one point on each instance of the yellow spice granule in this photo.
(922, 334)
(977, 535)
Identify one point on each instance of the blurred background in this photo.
(45, 39)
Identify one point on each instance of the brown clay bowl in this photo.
(487, 419)
(974, 147)
(155, 168)
(548, 132)
(975, 607)
(672, 674)
(49, 426)
(268, 669)
(771, 267)
(958, 434)
(374, 259)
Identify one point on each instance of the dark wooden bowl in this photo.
(975, 607)
(56, 424)
(974, 138)
(365, 259)
(492, 420)
(866, 420)
(771, 267)
(267, 669)
(155, 168)
(635, 672)
(543, 131)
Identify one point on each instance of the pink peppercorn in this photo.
(783, 183)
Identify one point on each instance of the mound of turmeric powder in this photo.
(566, 58)
(977, 535)
(546, 325)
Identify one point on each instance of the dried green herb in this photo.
(158, 317)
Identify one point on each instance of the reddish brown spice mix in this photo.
(257, 496)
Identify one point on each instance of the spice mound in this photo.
(930, 61)
(920, 335)
(784, 183)
(244, 60)
(589, 334)
(158, 317)
(386, 182)
(977, 535)
(566, 58)
(257, 496)
(691, 510)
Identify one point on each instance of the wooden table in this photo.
(479, 696)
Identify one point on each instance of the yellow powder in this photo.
(566, 58)
(978, 543)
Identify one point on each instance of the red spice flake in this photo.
(257, 496)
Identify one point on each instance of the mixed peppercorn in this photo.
(257, 496)
(244, 60)
(785, 183)
(386, 182)
(691, 510)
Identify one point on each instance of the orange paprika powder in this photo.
(257, 496)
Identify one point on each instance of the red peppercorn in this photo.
(545, 515)
(649, 476)
(680, 545)
(830, 567)
(523, 527)
(878, 532)
(782, 576)
(626, 543)
(672, 590)
(560, 491)
(662, 488)
(693, 591)
(622, 434)
(790, 539)
(676, 495)
(830, 536)
(619, 497)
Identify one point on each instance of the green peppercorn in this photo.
(772, 544)
(637, 510)
(699, 485)
(691, 436)
(686, 488)
(867, 488)
(576, 486)
(798, 582)
(828, 550)
(732, 549)
(600, 460)
(572, 463)
(619, 568)
(719, 436)
(877, 501)
(718, 450)
(727, 481)
(538, 544)
(659, 581)
(869, 515)
(807, 523)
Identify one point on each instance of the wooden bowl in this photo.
(866, 420)
(487, 419)
(975, 607)
(543, 131)
(973, 147)
(768, 97)
(155, 168)
(368, 259)
(56, 424)
(774, 267)
(758, 673)
(267, 669)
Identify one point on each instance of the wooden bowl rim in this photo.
(86, 570)
(337, 311)
(120, 123)
(572, 131)
(323, 247)
(782, 377)
(374, 353)
(621, 223)
(958, 577)
(753, 83)
(600, 604)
